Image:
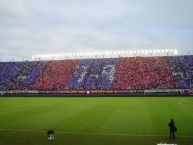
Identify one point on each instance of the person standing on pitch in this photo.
(172, 128)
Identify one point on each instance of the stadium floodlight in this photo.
(92, 53)
(110, 52)
(150, 51)
(155, 52)
(118, 52)
(175, 52)
(95, 53)
(99, 53)
(146, 52)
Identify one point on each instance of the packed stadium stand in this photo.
(139, 73)
(124, 73)
(56, 75)
(93, 74)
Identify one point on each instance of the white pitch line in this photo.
(90, 133)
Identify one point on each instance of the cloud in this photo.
(46, 26)
(13, 8)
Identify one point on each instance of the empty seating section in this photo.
(134, 73)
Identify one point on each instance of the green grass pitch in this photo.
(95, 120)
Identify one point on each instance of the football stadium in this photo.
(124, 100)
(105, 72)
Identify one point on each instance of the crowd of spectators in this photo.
(78, 78)
(140, 73)
(35, 72)
(93, 74)
(56, 75)
(14, 75)
(134, 73)
(182, 68)
(106, 77)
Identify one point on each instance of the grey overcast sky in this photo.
(30, 27)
